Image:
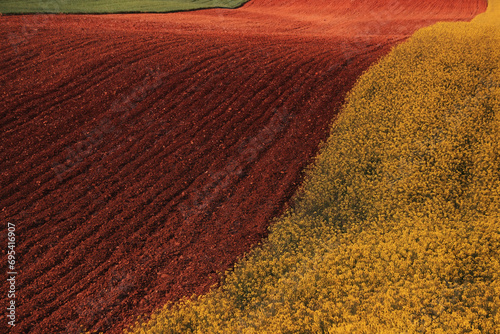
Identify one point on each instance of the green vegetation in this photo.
(110, 6)
(397, 227)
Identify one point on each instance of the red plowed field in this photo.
(141, 154)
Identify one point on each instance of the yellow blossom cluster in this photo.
(397, 226)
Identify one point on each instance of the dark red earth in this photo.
(142, 154)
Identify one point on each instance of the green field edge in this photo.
(110, 12)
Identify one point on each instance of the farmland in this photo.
(144, 154)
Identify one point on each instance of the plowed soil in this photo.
(142, 154)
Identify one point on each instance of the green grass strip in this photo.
(110, 6)
(397, 227)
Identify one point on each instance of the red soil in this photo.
(141, 154)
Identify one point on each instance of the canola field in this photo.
(397, 226)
